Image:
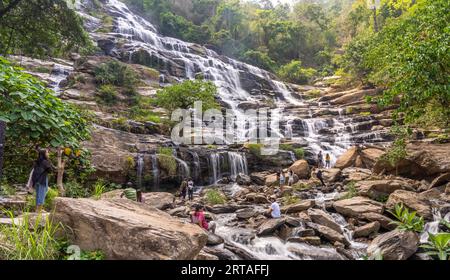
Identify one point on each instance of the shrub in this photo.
(407, 221)
(301, 187)
(107, 94)
(290, 199)
(75, 190)
(116, 73)
(299, 153)
(165, 151)
(294, 73)
(214, 197)
(6, 189)
(255, 149)
(438, 245)
(28, 239)
(259, 59)
(168, 163)
(352, 191)
(99, 188)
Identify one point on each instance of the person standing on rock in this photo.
(282, 180)
(198, 218)
(328, 161)
(320, 160)
(274, 209)
(42, 167)
(183, 190)
(319, 175)
(190, 186)
(290, 178)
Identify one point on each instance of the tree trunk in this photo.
(2, 145)
(60, 173)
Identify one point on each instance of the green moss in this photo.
(365, 114)
(290, 199)
(168, 164)
(214, 197)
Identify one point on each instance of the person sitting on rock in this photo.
(198, 218)
(274, 209)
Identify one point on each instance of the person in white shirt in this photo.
(275, 211)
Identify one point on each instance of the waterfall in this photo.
(196, 165)
(139, 170)
(183, 168)
(155, 171)
(215, 167)
(237, 163)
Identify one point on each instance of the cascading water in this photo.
(140, 168)
(155, 171)
(215, 167)
(237, 163)
(433, 227)
(196, 165)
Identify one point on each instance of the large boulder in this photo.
(370, 156)
(424, 161)
(366, 230)
(379, 188)
(411, 200)
(271, 180)
(385, 222)
(332, 175)
(243, 179)
(356, 174)
(394, 245)
(270, 226)
(159, 200)
(347, 159)
(246, 213)
(124, 229)
(323, 218)
(259, 178)
(353, 207)
(301, 169)
(298, 207)
(328, 233)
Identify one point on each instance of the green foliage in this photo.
(294, 73)
(438, 245)
(168, 151)
(255, 149)
(301, 187)
(397, 151)
(168, 163)
(289, 199)
(116, 73)
(6, 189)
(299, 152)
(407, 221)
(98, 189)
(30, 239)
(259, 59)
(34, 115)
(75, 190)
(214, 197)
(352, 191)
(107, 94)
(183, 95)
(34, 28)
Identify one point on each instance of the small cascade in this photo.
(215, 167)
(196, 165)
(59, 73)
(155, 170)
(238, 164)
(288, 130)
(139, 170)
(183, 168)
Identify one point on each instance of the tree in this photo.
(294, 72)
(40, 28)
(183, 95)
(35, 116)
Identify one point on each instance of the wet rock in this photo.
(327, 233)
(309, 252)
(385, 222)
(214, 239)
(440, 180)
(293, 222)
(247, 213)
(411, 200)
(224, 209)
(301, 169)
(270, 226)
(203, 256)
(355, 206)
(284, 232)
(298, 207)
(394, 245)
(305, 232)
(312, 240)
(256, 198)
(347, 159)
(243, 179)
(379, 188)
(323, 218)
(366, 230)
(107, 224)
(241, 253)
(220, 253)
(259, 178)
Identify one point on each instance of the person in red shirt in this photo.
(198, 217)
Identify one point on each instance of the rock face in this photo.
(356, 206)
(394, 245)
(128, 230)
(159, 200)
(299, 207)
(270, 226)
(301, 169)
(411, 200)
